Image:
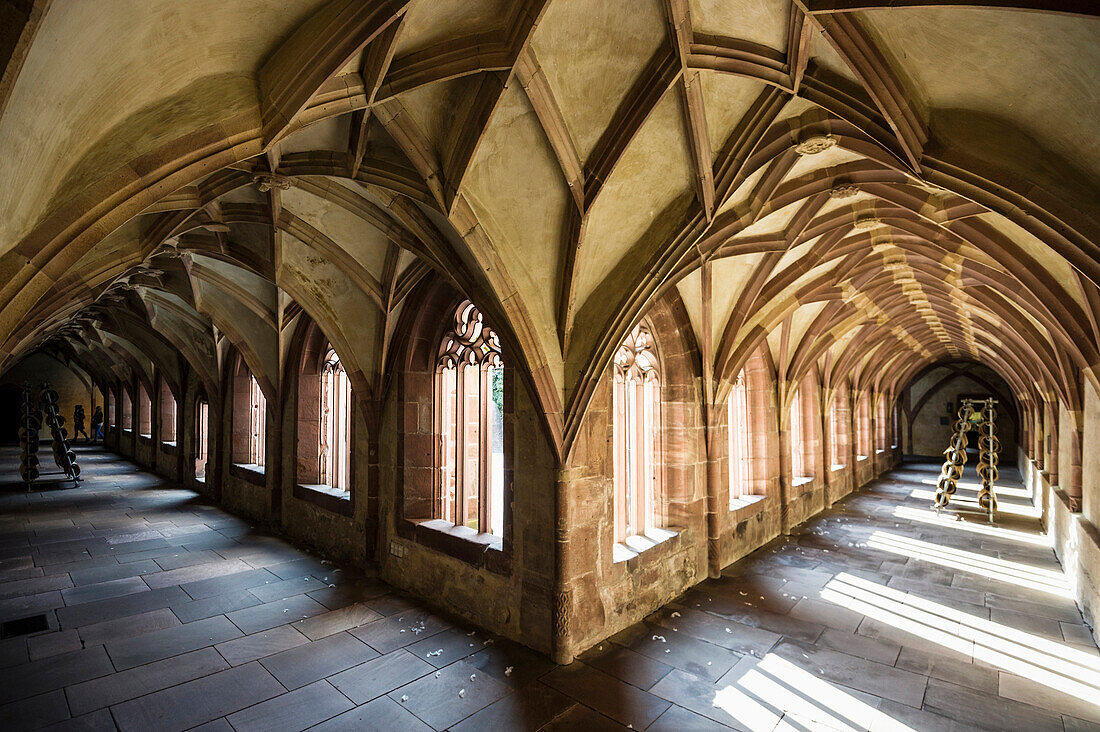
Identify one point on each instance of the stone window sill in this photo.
(838, 466)
(633, 546)
(802, 480)
(743, 502)
(146, 437)
(879, 452)
(168, 443)
(465, 533)
(250, 472)
(861, 458)
(326, 497)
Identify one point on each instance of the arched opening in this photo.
(637, 429)
(249, 442)
(469, 419)
(145, 412)
(202, 438)
(167, 413)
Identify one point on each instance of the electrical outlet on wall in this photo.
(397, 549)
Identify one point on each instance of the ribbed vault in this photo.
(843, 182)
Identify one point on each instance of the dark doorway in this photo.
(10, 398)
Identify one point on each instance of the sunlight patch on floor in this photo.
(775, 687)
(1052, 664)
(1023, 575)
(1003, 507)
(955, 522)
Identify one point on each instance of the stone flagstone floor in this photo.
(166, 613)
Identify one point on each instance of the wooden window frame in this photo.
(796, 435)
(470, 347)
(334, 434)
(257, 423)
(202, 438)
(739, 429)
(637, 433)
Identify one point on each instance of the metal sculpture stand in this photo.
(62, 453)
(989, 447)
(30, 419)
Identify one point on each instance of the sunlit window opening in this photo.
(335, 447)
(863, 428)
(636, 408)
(257, 422)
(740, 459)
(111, 410)
(202, 438)
(798, 447)
(127, 411)
(470, 424)
(836, 428)
(145, 412)
(167, 414)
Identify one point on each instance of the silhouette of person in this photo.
(78, 422)
(97, 424)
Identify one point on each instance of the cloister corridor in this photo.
(166, 613)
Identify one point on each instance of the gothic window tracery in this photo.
(469, 424)
(335, 432)
(636, 404)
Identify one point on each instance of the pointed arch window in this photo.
(636, 409)
(739, 434)
(469, 417)
(127, 411)
(335, 433)
(145, 412)
(202, 438)
(257, 422)
(797, 437)
(167, 414)
(111, 409)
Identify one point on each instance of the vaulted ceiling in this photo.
(864, 186)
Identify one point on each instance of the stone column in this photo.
(782, 419)
(561, 650)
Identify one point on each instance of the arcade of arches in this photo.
(549, 310)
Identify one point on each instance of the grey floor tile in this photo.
(230, 583)
(55, 672)
(100, 721)
(258, 645)
(159, 644)
(104, 590)
(449, 695)
(381, 715)
(118, 607)
(107, 573)
(526, 709)
(400, 630)
(280, 612)
(380, 676)
(125, 685)
(285, 588)
(970, 707)
(317, 660)
(609, 696)
(51, 644)
(207, 607)
(187, 575)
(334, 621)
(195, 702)
(128, 627)
(35, 712)
(293, 711)
(678, 719)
